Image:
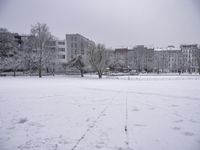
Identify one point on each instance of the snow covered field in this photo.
(65, 113)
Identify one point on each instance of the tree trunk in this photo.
(99, 74)
(40, 68)
(40, 73)
(82, 75)
(14, 73)
(53, 72)
(199, 71)
(47, 70)
(40, 62)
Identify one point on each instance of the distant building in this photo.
(143, 58)
(168, 59)
(139, 58)
(62, 52)
(77, 44)
(190, 56)
(121, 56)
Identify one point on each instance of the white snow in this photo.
(68, 113)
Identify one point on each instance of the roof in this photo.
(121, 50)
(169, 48)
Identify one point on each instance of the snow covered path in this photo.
(86, 114)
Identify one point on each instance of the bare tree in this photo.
(50, 57)
(41, 35)
(78, 63)
(29, 55)
(157, 62)
(98, 58)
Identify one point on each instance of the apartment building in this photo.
(168, 59)
(121, 56)
(190, 57)
(61, 49)
(77, 44)
(144, 57)
(139, 58)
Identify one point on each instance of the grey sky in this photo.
(115, 23)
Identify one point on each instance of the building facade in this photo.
(168, 59)
(190, 57)
(144, 58)
(62, 52)
(139, 58)
(58, 47)
(121, 56)
(76, 45)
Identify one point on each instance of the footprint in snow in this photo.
(87, 120)
(98, 146)
(135, 109)
(22, 120)
(140, 125)
(152, 108)
(173, 105)
(157, 140)
(178, 115)
(11, 128)
(193, 121)
(126, 148)
(176, 128)
(36, 124)
(103, 114)
(178, 121)
(188, 134)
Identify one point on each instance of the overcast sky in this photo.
(115, 23)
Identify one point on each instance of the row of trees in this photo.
(97, 58)
(9, 51)
(29, 54)
(36, 53)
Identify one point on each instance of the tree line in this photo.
(29, 54)
(34, 53)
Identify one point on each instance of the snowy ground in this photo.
(68, 113)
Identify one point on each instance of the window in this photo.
(51, 43)
(61, 56)
(61, 43)
(61, 49)
(82, 45)
(52, 48)
(82, 51)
